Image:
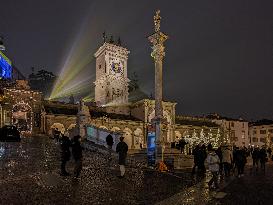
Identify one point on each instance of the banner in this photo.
(151, 146)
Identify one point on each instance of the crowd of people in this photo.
(76, 149)
(227, 160)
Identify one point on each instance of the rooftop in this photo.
(262, 122)
(194, 121)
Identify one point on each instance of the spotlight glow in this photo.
(73, 77)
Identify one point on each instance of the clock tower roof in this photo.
(112, 48)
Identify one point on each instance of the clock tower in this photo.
(111, 85)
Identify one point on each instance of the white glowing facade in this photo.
(111, 85)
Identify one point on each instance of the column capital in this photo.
(158, 52)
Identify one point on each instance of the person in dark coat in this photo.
(202, 155)
(263, 158)
(195, 158)
(220, 155)
(240, 161)
(56, 134)
(255, 157)
(269, 150)
(65, 154)
(77, 155)
(182, 144)
(109, 142)
(122, 149)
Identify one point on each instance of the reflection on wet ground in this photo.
(30, 175)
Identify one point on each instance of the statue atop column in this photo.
(157, 19)
(157, 39)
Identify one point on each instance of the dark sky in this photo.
(218, 57)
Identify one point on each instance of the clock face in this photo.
(116, 67)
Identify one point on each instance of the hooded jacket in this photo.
(213, 162)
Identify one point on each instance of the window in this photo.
(232, 124)
(254, 132)
(271, 130)
(254, 139)
(262, 139)
(243, 125)
(99, 66)
(234, 139)
(262, 131)
(271, 139)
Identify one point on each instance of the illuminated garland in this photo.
(22, 103)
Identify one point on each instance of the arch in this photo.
(22, 116)
(103, 127)
(71, 126)
(138, 139)
(138, 131)
(57, 126)
(177, 134)
(115, 129)
(127, 134)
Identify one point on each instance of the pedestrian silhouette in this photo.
(65, 154)
(109, 142)
(122, 149)
(77, 155)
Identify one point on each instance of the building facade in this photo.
(235, 130)
(20, 106)
(261, 133)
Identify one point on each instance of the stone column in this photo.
(133, 141)
(157, 39)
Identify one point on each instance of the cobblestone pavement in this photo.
(255, 187)
(29, 174)
(198, 194)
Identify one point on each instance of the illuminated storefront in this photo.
(21, 107)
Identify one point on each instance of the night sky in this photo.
(218, 58)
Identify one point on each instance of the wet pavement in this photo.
(29, 174)
(254, 188)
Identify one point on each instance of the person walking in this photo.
(255, 157)
(213, 162)
(227, 159)
(109, 142)
(199, 154)
(263, 158)
(201, 161)
(77, 155)
(122, 149)
(56, 135)
(195, 158)
(65, 154)
(182, 144)
(219, 153)
(240, 160)
(269, 151)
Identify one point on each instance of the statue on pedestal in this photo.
(83, 117)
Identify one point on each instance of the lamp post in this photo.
(157, 39)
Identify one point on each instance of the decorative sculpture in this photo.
(157, 19)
